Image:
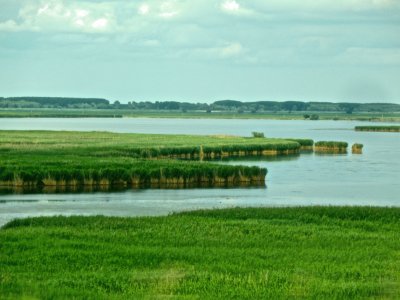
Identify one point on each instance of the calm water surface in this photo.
(372, 178)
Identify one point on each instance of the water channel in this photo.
(372, 178)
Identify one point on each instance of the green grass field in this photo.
(253, 253)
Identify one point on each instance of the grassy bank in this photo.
(131, 113)
(378, 128)
(260, 253)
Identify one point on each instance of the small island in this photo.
(393, 128)
(68, 161)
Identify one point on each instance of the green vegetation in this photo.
(357, 148)
(189, 114)
(248, 253)
(378, 128)
(52, 102)
(103, 144)
(125, 172)
(222, 105)
(51, 158)
(306, 144)
(331, 146)
(258, 134)
(95, 107)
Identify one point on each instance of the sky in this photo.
(202, 50)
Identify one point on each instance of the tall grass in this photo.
(126, 172)
(393, 128)
(357, 148)
(137, 145)
(248, 253)
(305, 144)
(330, 146)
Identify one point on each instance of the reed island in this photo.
(66, 159)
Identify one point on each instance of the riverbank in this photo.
(174, 114)
(248, 253)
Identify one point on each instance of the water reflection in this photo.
(247, 159)
(82, 189)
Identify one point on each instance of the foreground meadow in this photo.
(247, 253)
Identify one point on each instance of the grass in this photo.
(331, 146)
(102, 144)
(378, 128)
(35, 172)
(48, 158)
(129, 113)
(247, 253)
(357, 148)
(305, 144)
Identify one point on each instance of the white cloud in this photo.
(43, 9)
(100, 23)
(79, 22)
(63, 16)
(144, 9)
(230, 5)
(233, 49)
(81, 13)
(9, 25)
(234, 8)
(168, 10)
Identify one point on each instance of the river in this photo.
(372, 178)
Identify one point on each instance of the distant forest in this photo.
(220, 106)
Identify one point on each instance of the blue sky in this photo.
(202, 50)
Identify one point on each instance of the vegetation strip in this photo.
(331, 147)
(248, 253)
(176, 114)
(357, 148)
(378, 128)
(221, 105)
(102, 144)
(127, 173)
(37, 159)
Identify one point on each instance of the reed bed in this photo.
(393, 128)
(76, 172)
(74, 159)
(102, 160)
(357, 148)
(330, 147)
(305, 144)
(103, 144)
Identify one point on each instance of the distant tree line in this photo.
(220, 106)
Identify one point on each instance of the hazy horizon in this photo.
(202, 50)
(203, 101)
